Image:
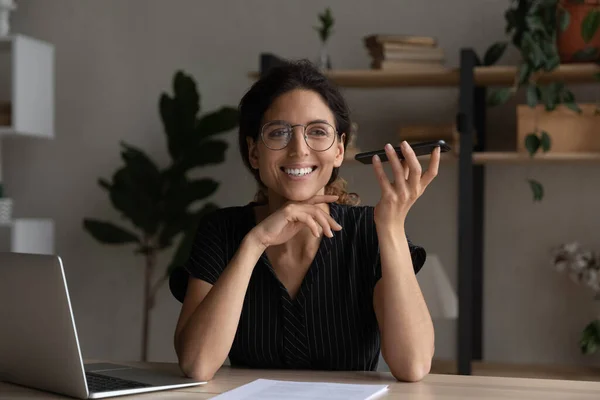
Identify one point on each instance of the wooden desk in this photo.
(434, 386)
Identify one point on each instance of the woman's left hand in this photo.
(409, 183)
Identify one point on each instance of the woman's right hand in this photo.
(286, 222)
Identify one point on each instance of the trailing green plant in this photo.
(532, 27)
(162, 203)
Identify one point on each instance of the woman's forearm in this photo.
(407, 333)
(205, 341)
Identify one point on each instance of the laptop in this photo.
(39, 347)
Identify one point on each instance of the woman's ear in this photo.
(339, 156)
(252, 152)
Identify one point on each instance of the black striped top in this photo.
(330, 324)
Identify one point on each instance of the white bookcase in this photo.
(27, 83)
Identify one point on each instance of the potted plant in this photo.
(159, 202)
(325, 29)
(580, 39)
(583, 267)
(533, 28)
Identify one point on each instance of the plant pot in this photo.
(571, 46)
(569, 132)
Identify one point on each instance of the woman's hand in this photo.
(286, 222)
(409, 183)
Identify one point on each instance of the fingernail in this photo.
(376, 158)
(404, 143)
(389, 147)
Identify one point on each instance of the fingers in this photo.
(327, 223)
(322, 199)
(384, 183)
(414, 166)
(394, 161)
(432, 170)
(309, 221)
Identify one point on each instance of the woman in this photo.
(303, 277)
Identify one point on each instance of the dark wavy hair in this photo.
(288, 76)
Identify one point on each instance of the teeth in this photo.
(298, 171)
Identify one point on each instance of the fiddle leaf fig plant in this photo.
(161, 206)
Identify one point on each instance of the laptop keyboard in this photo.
(102, 383)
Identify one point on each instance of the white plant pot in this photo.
(6, 207)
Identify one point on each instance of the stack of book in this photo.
(404, 52)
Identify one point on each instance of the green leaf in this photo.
(209, 152)
(143, 170)
(545, 141)
(532, 143)
(564, 19)
(537, 189)
(524, 73)
(532, 95)
(590, 25)
(590, 338)
(222, 120)
(128, 195)
(499, 96)
(178, 113)
(535, 24)
(597, 75)
(586, 55)
(108, 233)
(494, 53)
(573, 106)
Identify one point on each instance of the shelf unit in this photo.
(472, 80)
(27, 73)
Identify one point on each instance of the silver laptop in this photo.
(39, 347)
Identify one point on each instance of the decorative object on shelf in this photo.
(532, 27)
(6, 208)
(351, 148)
(571, 132)
(325, 29)
(6, 7)
(405, 53)
(162, 203)
(583, 267)
(579, 41)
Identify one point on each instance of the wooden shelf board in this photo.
(514, 158)
(496, 75)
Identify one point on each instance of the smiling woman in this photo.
(304, 277)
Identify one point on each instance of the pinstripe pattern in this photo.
(331, 323)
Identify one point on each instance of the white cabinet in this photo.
(27, 86)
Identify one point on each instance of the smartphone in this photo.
(420, 149)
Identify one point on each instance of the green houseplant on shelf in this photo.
(160, 203)
(533, 28)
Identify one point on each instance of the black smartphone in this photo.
(420, 149)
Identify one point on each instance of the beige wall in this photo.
(114, 58)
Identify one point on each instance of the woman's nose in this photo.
(297, 144)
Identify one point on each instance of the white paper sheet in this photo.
(265, 389)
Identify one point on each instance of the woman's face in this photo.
(296, 172)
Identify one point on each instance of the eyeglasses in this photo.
(319, 135)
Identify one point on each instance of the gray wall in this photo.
(114, 58)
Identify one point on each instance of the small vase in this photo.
(324, 61)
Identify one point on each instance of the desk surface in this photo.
(434, 386)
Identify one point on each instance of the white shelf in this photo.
(31, 70)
